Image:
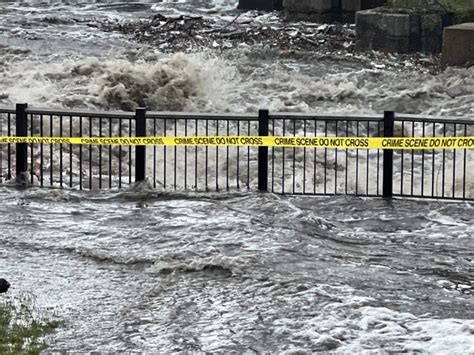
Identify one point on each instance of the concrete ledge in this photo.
(458, 45)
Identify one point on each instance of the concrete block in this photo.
(458, 45)
(401, 32)
(267, 5)
(318, 6)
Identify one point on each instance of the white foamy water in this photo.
(142, 271)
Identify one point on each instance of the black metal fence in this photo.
(446, 174)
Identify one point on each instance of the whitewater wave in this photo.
(232, 83)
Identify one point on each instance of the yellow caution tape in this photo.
(255, 141)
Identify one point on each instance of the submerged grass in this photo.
(23, 327)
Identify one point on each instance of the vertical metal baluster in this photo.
(315, 157)
(464, 166)
(227, 160)
(110, 154)
(100, 155)
(325, 159)
(294, 158)
(154, 155)
(248, 157)
(367, 160)
(283, 160)
(433, 165)
(217, 157)
(130, 134)
(51, 134)
(443, 178)
(120, 155)
(379, 133)
(164, 154)
(402, 172)
(70, 153)
(186, 156)
(423, 163)
(61, 152)
(207, 154)
(80, 155)
(90, 155)
(175, 155)
(304, 160)
(31, 151)
(347, 158)
(9, 147)
(412, 160)
(41, 153)
(335, 160)
(238, 156)
(454, 164)
(273, 155)
(196, 156)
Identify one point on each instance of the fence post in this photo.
(140, 150)
(388, 127)
(22, 176)
(263, 118)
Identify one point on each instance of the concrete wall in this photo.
(458, 44)
(307, 6)
(407, 32)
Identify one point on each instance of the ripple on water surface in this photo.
(236, 272)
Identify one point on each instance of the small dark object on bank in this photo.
(4, 285)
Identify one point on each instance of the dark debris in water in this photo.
(172, 34)
(184, 33)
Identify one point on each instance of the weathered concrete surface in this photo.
(458, 45)
(267, 5)
(308, 6)
(357, 5)
(406, 31)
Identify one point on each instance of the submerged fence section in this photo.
(430, 173)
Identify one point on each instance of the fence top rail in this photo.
(325, 117)
(7, 110)
(80, 113)
(201, 116)
(433, 119)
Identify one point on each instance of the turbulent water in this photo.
(243, 273)
(54, 55)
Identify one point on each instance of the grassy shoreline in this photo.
(23, 327)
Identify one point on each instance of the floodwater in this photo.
(239, 272)
(143, 271)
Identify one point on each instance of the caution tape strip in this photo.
(255, 141)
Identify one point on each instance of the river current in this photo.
(144, 271)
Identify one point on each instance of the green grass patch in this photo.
(23, 326)
(463, 9)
